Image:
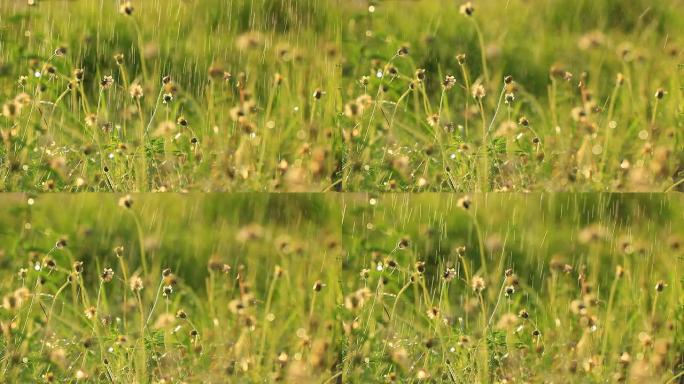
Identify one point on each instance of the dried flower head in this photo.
(318, 286)
(479, 91)
(478, 284)
(136, 284)
(107, 275)
(464, 202)
(107, 82)
(433, 120)
(126, 8)
(126, 201)
(449, 82)
(318, 94)
(461, 58)
(467, 9)
(136, 91)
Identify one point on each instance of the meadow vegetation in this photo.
(559, 288)
(167, 289)
(421, 112)
(284, 95)
(347, 288)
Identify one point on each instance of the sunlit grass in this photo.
(540, 288)
(146, 289)
(323, 288)
(341, 95)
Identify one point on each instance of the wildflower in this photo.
(449, 82)
(318, 286)
(318, 94)
(126, 8)
(167, 290)
(509, 98)
(181, 314)
(464, 202)
(136, 91)
(22, 100)
(107, 82)
(660, 94)
(182, 121)
(119, 58)
(136, 284)
(278, 79)
(126, 201)
(625, 359)
(81, 375)
(433, 120)
(509, 290)
(78, 74)
(10, 110)
(90, 312)
(121, 340)
(78, 267)
(357, 299)
(461, 58)
(167, 98)
(422, 374)
(118, 251)
(449, 274)
(478, 284)
(479, 92)
(403, 51)
(420, 74)
(433, 313)
(107, 275)
(660, 286)
(91, 120)
(467, 9)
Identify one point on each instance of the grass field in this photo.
(561, 288)
(210, 289)
(306, 95)
(341, 288)
(453, 176)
